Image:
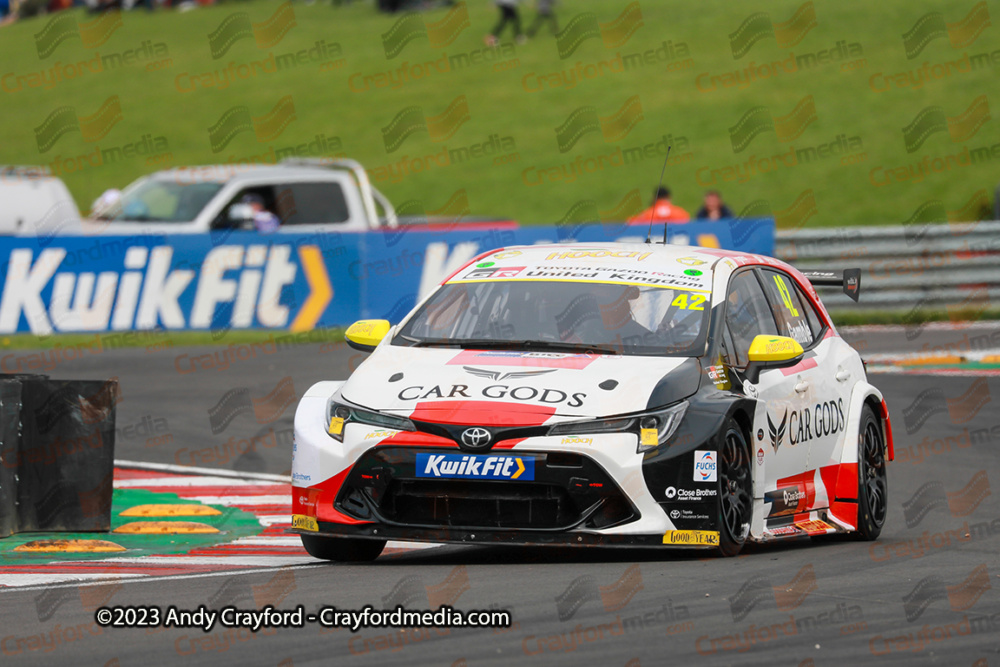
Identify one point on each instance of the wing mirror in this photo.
(772, 352)
(365, 335)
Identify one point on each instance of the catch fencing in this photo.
(953, 267)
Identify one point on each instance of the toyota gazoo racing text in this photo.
(602, 394)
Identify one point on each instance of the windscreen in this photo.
(162, 201)
(611, 318)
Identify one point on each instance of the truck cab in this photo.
(305, 195)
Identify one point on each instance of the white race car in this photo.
(597, 395)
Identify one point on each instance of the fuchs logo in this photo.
(777, 432)
(704, 466)
(499, 376)
(471, 466)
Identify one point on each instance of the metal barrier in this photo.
(953, 266)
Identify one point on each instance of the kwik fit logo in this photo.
(151, 289)
(474, 466)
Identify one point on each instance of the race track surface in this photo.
(927, 592)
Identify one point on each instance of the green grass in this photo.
(848, 318)
(165, 339)
(499, 105)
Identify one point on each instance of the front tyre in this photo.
(342, 549)
(872, 484)
(735, 490)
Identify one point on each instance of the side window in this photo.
(747, 315)
(815, 323)
(311, 203)
(264, 192)
(791, 311)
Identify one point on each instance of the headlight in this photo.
(653, 428)
(340, 415)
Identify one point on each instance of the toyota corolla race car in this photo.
(597, 395)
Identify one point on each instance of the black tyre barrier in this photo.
(57, 451)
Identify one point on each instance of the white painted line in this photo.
(274, 519)
(153, 562)
(283, 499)
(392, 544)
(270, 541)
(138, 579)
(192, 470)
(19, 579)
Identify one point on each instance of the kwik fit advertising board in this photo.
(286, 280)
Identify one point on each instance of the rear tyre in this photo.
(342, 549)
(872, 482)
(735, 490)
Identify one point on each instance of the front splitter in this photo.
(528, 538)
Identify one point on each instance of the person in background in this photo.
(714, 208)
(546, 13)
(263, 220)
(107, 205)
(508, 14)
(662, 210)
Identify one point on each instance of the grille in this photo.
(568, 491)
(479, 504)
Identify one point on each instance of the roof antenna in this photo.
(652, 209)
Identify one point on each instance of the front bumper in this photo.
(562, 491)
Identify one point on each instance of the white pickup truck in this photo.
(305, 195)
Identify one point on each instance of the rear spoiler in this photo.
(848, 279)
